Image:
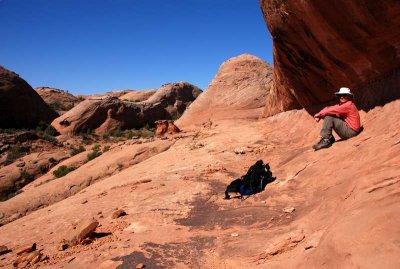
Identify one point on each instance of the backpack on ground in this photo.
(254, 181)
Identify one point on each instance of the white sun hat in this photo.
(343, 91)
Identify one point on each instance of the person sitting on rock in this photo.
(343, 118)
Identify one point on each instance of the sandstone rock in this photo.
(26, 258)
(322, 46)
(63, 246)
(288, 209)
(118, 213)
(59, 100)
(21, 164)
(140, 266)
(109, 114)
(137, 96)
(20, 105)
(25, 248)
(161, 127)
(166, 127)
(83, 230)
(239, 90)
(172, 128)
(4, 250)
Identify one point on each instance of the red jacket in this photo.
(346, 111)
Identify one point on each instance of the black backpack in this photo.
(254, 181)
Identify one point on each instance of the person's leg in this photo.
(326, 131)
(327, 138)
(341, 128)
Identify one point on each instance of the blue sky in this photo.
(86, 46)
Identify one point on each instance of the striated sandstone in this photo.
(321, 46)
(238, 90)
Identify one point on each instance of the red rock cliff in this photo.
(320, 46)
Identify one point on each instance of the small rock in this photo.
(140, 266)
(26, 258)
(84, 202)
(86, 241)
(118, 213)
(288, 209)
(63, 247)
(4, 250)
(21, 164)
(83, 230)
(25, 248)
(234, 234)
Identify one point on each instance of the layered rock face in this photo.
(20, 105)
(238, 90)
(108, 114)
(59, 100)
(320, 47)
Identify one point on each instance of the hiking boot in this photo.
(323, 143)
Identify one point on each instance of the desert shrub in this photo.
(58, 106)
(15, 153)
(129, 135)
(63, 170)
(43, 168)
(146, 133)
(28, 177)
(94, 153)
(106, 148)
(52, 160)
(86, 139)
(117, 133)
(51, 139)
(75, 151)
(50, 130)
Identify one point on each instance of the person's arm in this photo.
(336, 110)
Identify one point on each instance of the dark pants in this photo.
(340, 127)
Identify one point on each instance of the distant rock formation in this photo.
(238, 90)
(110, 113)
(321, 46)
(58, 100)
(20, 105)
(137, 96)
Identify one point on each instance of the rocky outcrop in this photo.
(238, 90)
(20, 105)
(59, 100)
(175, 97)
(320, 46)
(105, 115)
(137, 96)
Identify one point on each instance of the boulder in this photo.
(320, 46)
(239, 90)
(83, 230)
(59, 100)
(107, 114)
(20, 105)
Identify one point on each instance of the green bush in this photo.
(28, 177)
(15, 153)
(75, 151)
(63, 170)
(117, 133)
(95, 153)
(106, 148)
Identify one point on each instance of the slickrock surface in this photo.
(20, 105)
(238, 90)
(346, 199)
(320, 46)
